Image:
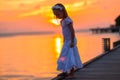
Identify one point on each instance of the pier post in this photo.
(119, 30)
(106, 43)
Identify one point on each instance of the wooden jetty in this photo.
(102, 67)
(104, 30)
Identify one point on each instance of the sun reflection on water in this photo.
(58, 44)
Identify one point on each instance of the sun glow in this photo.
(29, 15)
(55, 21)
(58, 45)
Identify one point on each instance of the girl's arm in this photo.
(72, 34)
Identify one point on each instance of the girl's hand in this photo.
(72, 44)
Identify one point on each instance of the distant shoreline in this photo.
(34, 33)
(25, 33)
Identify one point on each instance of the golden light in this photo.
(55, 21)
(58, 40)
(78, 4)
(28, 14)
(58, 45)
(89, 2)
(44, 11)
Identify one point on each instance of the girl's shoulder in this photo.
(67, 20)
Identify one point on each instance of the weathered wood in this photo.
(106, 67)
(117, 43)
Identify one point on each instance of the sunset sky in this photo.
(36, 15)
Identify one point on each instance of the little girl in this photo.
(69, 59)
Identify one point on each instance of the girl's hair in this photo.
(60, 7)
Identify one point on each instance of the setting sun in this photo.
(56, 21)
(34, 38)
(25, 15)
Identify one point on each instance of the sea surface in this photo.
(34, 57)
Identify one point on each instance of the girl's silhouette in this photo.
(69, 59)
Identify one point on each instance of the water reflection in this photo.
(28, 55)
(58, 44)
(37, 55)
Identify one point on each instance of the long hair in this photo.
(63, 9)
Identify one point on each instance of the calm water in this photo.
(34, 56)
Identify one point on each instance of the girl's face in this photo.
(59, 14)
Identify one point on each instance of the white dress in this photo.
(69, 57)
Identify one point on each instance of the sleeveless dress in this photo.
(69, 57)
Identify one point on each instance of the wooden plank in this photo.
(106, 67)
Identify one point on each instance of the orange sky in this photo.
(36, 15)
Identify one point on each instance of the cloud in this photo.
(46, 10)
(35, 7)
(18, 4)
(21, 1)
